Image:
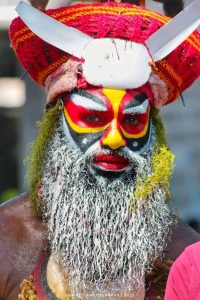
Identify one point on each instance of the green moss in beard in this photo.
(39, 152)
(160, 130)
(162, 163)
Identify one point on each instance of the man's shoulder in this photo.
(20, 226)
(13, 209)
(18, 218)
(22, 237)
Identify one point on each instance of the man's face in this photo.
(117, 121)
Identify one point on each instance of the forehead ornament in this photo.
(111, 67)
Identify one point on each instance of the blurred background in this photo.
(22, 103)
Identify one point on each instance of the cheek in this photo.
(80, 141)
(136, 144)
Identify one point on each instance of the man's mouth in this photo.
(108, 162)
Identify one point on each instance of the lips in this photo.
(110, 162)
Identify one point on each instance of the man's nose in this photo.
(112, 137)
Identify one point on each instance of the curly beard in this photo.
(106, 238)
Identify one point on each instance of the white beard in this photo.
(106, 239)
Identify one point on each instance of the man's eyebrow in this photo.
(139, 109)
(138, 104)
(136, 101)
(87, 100)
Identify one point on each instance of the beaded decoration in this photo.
(27, 290)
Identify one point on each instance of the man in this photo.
(96, 220)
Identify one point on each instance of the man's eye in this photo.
(131, 121)
(92, 118)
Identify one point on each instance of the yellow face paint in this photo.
(113, 138)
(115, 97)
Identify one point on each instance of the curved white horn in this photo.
(66, 38)
(171, 35)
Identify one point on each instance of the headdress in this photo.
(123, 22)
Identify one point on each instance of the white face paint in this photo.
(140, 109)
(116, 63)
(87, 103)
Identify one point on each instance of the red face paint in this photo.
(85, 117)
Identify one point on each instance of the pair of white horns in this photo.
(72, 41)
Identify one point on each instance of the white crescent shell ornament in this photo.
(116, 63)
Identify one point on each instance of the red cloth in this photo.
(184, 278)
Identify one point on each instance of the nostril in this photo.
(112, 149)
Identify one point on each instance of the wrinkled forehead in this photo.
(104, 98)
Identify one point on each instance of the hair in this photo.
(172, 8)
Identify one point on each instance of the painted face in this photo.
(115, 119)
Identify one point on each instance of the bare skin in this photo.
(23, 237)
